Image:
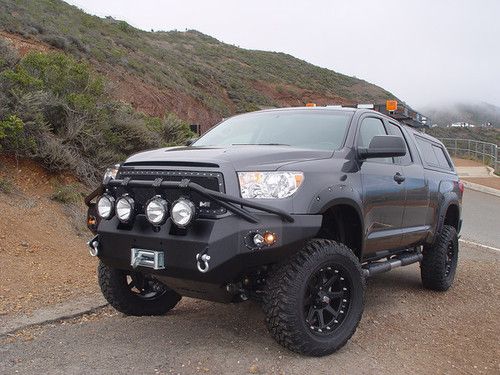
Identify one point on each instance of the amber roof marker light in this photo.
(391, 105)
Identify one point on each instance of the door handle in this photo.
(399, 178)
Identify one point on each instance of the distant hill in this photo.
(479, 134)
(473, 113)
(191, 74)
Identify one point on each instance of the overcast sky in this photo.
(423, 51)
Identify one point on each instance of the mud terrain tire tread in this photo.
(282, 295)
(116, 292)
(433, 265)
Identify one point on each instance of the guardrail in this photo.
(472, 149)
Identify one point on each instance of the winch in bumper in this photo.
(226, 242)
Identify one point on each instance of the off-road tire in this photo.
(285, 293)
(434, 266)
(114, 288)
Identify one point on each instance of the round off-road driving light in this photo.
(124, 208)
(105, 206)
(183, 212)
(157, 210)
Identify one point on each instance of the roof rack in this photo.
(398, 111)
(403, 113)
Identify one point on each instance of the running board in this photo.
(375, 268)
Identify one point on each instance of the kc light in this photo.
(157, 210)
(269, 185)
(105, 206)
(110, 174)
(125, 208)
(183, 212)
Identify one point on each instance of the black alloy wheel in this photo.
(327, 299)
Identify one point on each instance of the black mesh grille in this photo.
(209, 180)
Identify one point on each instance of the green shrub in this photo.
(6, 186)
(55, 109)
(67, 194)
(124, 26)
(11, 131)
(56, 41)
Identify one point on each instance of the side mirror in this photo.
(189, 142)
(383, 146)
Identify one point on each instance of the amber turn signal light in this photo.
(270, 238)
(91, 221)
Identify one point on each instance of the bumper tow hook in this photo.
(202, 261)
(93, 246)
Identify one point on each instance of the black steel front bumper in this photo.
(226, 240)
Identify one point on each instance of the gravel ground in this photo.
(43, 259)
(404, 330)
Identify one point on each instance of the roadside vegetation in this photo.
(222, 78)
(56, 110)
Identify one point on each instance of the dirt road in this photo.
(404, 330)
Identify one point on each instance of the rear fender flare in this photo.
(447, 200)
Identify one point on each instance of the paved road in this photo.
(481, 215)
(404, 330)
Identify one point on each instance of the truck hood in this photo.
(240, 157)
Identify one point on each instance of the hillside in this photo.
(479, 134)
(473, 113)
(188, 73)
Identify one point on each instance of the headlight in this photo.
(110, 174)
(157, 210)
(269, 185)
(183, 212)
(105, 206)
(124, 208)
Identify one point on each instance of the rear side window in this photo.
(433, 154)
(441, 157)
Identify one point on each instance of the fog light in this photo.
(266, 239)
(125, 208)
(258, 240)
(183, 212)
(156, 210)
(105, 206)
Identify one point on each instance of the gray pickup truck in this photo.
(292, 207)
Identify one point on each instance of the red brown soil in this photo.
(153, 100)
(24, 45)
(466, 163)
(44, 260)
(492, 182)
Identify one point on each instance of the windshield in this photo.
(320, 130)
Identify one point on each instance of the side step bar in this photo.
(404, 259)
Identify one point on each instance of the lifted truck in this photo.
(293, 207)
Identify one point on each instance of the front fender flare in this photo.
(335, 195)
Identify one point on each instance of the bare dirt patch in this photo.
(24, 45)
(466, 163)
(44, 259)
(492, 182)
